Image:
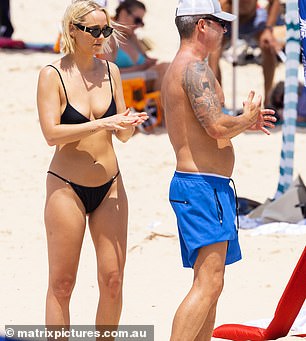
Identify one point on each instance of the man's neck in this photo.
(197, 51)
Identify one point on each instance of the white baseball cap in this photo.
(198, 7)
(102, 3)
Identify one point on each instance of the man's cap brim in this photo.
(225, 16)
(221, 15)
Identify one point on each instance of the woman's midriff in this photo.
(88, 162)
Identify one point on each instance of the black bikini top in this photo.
(72, 116)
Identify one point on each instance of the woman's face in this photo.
(132, 18)
(84, 40)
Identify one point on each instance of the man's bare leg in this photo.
(197, 310)
(206, 331)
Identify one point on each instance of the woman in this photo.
(130, 56)
(80, 104)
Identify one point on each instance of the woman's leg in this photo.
(65, 225)
(108, 227)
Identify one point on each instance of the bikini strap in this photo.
(110, 78)
(116, 176)
(60, 76)
(60, 177)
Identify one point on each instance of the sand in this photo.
(155, 282)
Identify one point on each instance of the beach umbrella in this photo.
(291, 96)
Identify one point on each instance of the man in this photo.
(254, 23)
(200, 133)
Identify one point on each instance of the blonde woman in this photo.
(81, 106)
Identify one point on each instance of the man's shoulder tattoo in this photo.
(199, 85)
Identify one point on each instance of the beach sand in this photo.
(155, 282)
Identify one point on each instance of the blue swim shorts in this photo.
(205, 209)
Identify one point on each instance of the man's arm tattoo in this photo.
(199, 85)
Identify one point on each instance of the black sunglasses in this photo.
(137, 20)
(221, 22)
(96, 32)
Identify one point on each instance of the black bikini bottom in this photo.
(91, 197)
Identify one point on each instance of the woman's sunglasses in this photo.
(96, 32)
(137, 20)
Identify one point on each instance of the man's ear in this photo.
(201, 25)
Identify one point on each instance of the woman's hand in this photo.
(140, 116)
(128, 122)
(124, 120)
(149, 62)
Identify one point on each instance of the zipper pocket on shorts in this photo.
(179, 201)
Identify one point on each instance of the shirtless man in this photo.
(200, 191)
(257, 23)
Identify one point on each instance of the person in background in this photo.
(6, 27)
(81, 107)
(200, 191)
(256, 23)
(130, 55)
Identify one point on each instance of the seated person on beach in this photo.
(6, 27)
(130, 56)
(256, 23)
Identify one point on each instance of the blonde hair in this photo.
(75, 14)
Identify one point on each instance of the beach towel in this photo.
(8, 43)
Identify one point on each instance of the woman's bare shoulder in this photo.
(115, 72)
(49, 70)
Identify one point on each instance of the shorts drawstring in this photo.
(236, 199)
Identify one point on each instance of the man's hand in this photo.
(262, 118)
(268, 41)
(265, 119)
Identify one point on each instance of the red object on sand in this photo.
(9, 43)
(285, 314)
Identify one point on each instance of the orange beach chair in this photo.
(137, 97)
